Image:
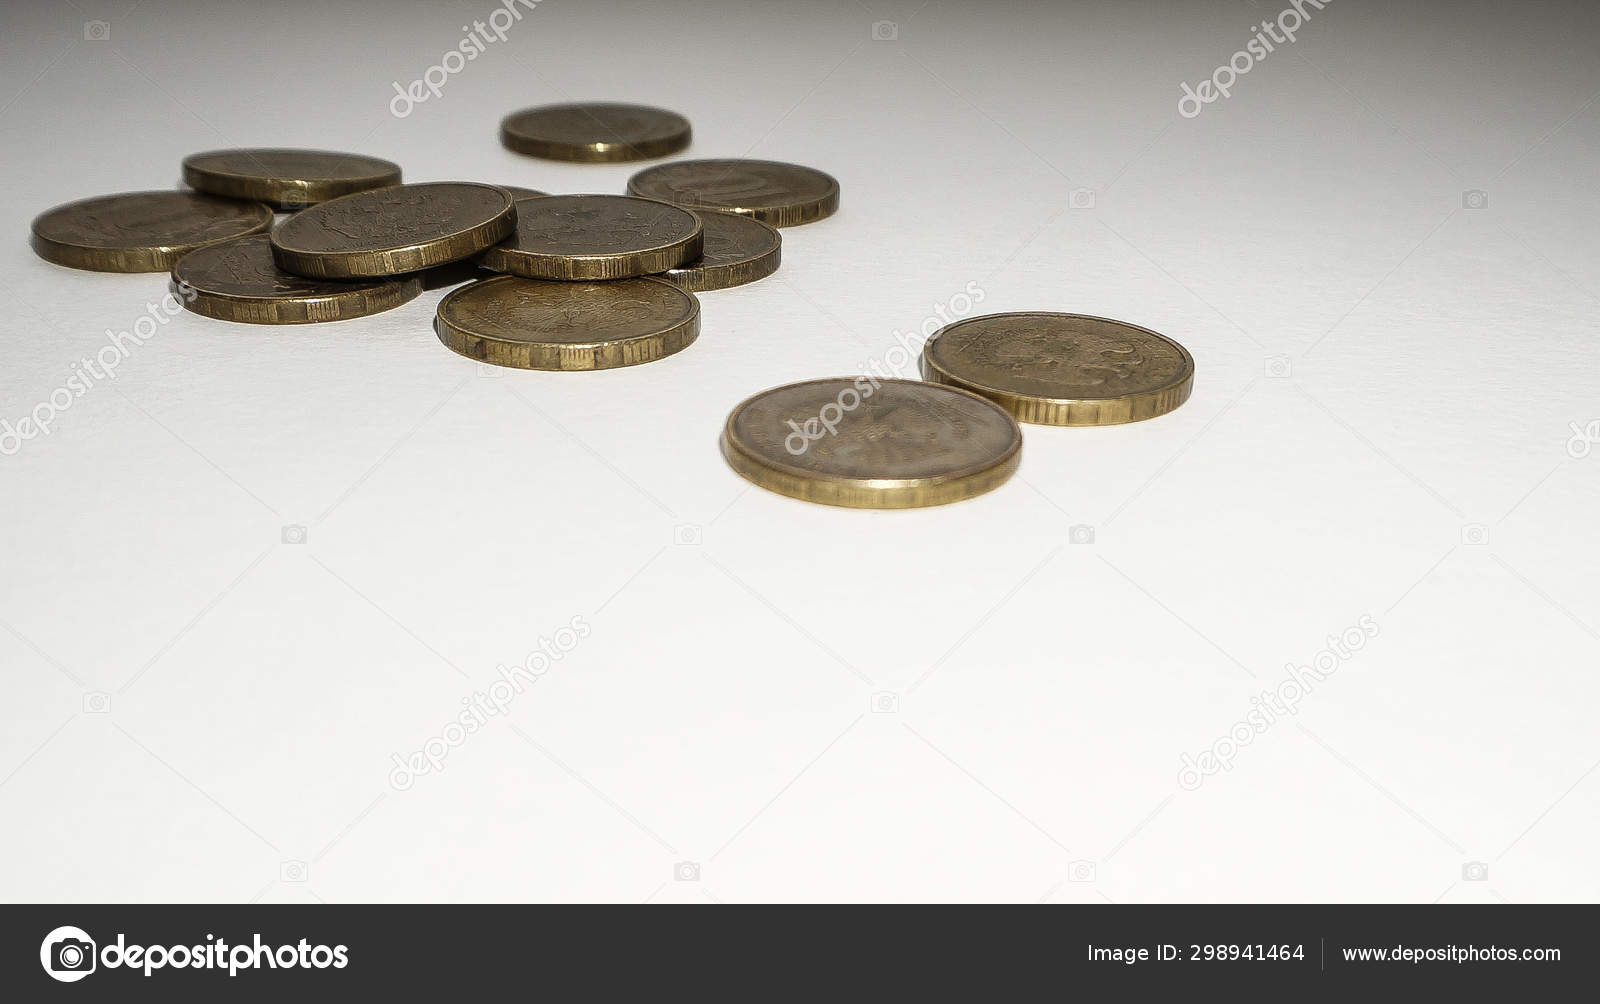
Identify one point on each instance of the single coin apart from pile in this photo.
(738, 249)
(872, 444)
(142, 231)
(1062, 369)
(534, 324)
(286, 179)
(390, 231)
(596, 237)
(238, 281)
(595, 132)
(782, 195)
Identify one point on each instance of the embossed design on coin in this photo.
(595, 132)
(782, 195)
(541, 325)
(596, 237)
(239, 281)
(389, 231)
(872, 444)
(738, 249)
(141, 231)
(287, 179)
(1063, 369)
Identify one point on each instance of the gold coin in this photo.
(518, 192)
(738, 249)
(782, 195)
(286, 179)
(390, 231)
(533, 324)
(142, 231)
(1062, 369)
(595, 133)
(596, 237)
(239, 281)
(872, 444)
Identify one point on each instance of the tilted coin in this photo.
(287, 179)
(782, 195)
(872, 444)
(1062, 369)
(388, 231)
(518, 192)
(532, 324)
(595, 133)
(239, 281)
(142, 231)
(738, 249)
(596, 237)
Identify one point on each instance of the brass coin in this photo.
(142, 231)
(389, 231)
(782, 195)
(239, 281)
(518, 192)
(738, 249)
(595, 133)
(596, 237)
(1062, 369)
(286, 179)
(872, 444)
(536, 325)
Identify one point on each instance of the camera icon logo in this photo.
(68, 954)
(1474, 198)
(294, 533)
(688, 535)
(1279, 367)
(293, 871)
(1475, 534)
(1080, 198)
(1475, 871)
(293, 202)
(885, 31)
(885, 702)
(489, 371)
(1583, 439)
(1081, 533)
(96, 31)
(96, 702)
(1081, 871)
(686, 871)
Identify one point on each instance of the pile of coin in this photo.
(595, 281)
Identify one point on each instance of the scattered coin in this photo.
(596, 237)
(533, 324)
(141, 231)
(389, 231)
(286, 179)
(872, 444)
(738, 249)
(783, 195)
(595, 133)
(518, 192)
(1062, 369)
(239, 281)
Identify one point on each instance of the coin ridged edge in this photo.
(1079, 412)
(302, 310)
(703, 280)
(397, 261)
(282, 193)
(567, 356)
(598, 152)
(574, 268)
(869, 493)
(159, 258)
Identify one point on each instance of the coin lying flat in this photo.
(388, 231)
(783, 195)
(141, 231)
(596, 237)
(595, 133)
(518, 192)
(286, 179)
(872, 444)
(533, 324)
(239, 281)
(738, 249)
(1062, 369)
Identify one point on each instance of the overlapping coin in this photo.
(872, 444)
(1062, 369)
(141, 231)
(782, 195)
(239, 281)
(390, 231)
(596, 237)
(286, 179)
(738, 249)
(595, 132)
(542, 325)
(518, 192)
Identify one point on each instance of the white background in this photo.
(720, 711)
